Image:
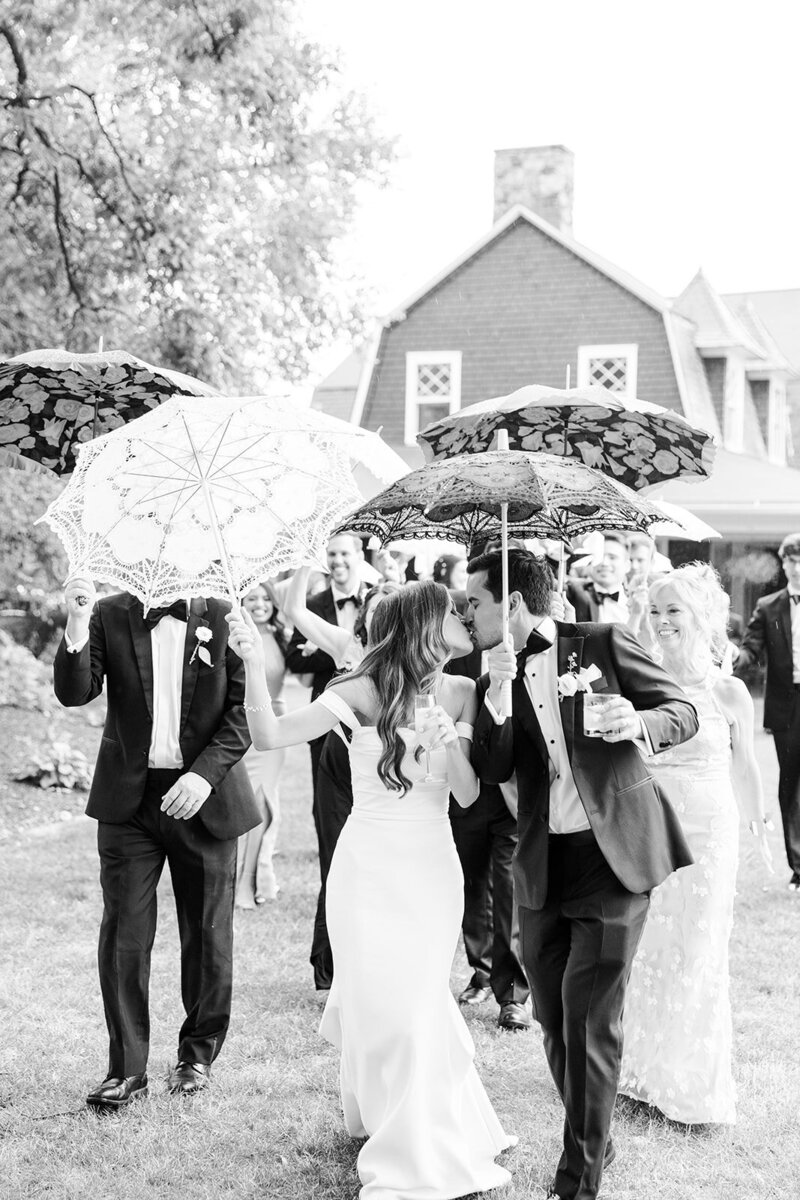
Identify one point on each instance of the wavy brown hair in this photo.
(405, 655)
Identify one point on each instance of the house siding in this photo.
(518, 310)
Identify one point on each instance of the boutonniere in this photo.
(577, 681)
(203, 635)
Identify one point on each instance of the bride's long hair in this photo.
(698, 586)
(406, 652)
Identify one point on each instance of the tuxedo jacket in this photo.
(769, 633)
(213, 732)
(631, 817)
(584, 600)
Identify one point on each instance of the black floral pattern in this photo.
(636, 443)
(47, 413)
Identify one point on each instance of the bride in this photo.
(395, 900)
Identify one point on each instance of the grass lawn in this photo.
(270, 1126)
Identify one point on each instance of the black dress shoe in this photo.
(474, 994)
(186, 1078)
(114, 1093)
(514, 1016)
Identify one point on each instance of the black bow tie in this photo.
(349, 600)
(179, 609)
(534, 645)
(794, 597)
(601, 596)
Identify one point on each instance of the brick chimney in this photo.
(540, 178)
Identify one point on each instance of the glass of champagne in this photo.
(423, 704)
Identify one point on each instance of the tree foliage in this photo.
(176, 175)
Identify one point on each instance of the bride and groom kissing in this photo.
(595, 835)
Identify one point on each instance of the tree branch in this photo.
(16, 53)
(60, 230)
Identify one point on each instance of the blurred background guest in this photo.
(773, 634)
(333, 794)
(451, 570)
(604, 598)
(255, 874)
(677, 1019)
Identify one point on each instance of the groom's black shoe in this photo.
(474, 993)
(514, 1016)
(114, 1093)
(186, 1078)
(608, 1158)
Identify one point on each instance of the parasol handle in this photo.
(212, 512)
(562, 568)
(505, 691)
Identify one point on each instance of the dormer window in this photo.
(433, 388)
(613, 367)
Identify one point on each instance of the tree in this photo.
(176, 176)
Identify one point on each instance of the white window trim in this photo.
(414, 359)
(630, 350)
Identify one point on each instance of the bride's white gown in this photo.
(394, 904)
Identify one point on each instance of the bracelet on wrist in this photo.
(258, 707)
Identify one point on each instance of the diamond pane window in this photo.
(433, 388)
(611, 367)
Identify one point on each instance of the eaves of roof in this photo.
(648, 295)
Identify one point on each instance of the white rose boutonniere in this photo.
(203, 635)
(577, 681)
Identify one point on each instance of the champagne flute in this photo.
(423, 705)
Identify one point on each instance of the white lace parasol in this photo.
(207, 496)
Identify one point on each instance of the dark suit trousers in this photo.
(787, 747)
(202, 868)
(578, 952)
(333, 800)
(485, 835)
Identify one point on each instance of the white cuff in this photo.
(495, 715)
(74, 647)
(643, 740)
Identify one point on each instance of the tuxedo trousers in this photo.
(485, 835)
(578, 951)
(787, 747)
(203, 870)
(333, 800)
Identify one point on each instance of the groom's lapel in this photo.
(198, 614)
(568, 644)
(143, 650)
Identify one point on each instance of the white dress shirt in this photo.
(612, 612)
(346, 615)
(167, 642)
(567, 814)
(794, 613)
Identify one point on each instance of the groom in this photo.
(595, 832)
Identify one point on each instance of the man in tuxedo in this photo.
(338, 604)
(604, 597)
(595, 832)
(167, 785)
(773, 632)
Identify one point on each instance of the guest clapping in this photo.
(677, 1021)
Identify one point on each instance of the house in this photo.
(529, 304)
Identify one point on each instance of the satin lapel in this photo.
(143, 649)
(568, 645)
(524, 714)
(784, 606)
(198, 610)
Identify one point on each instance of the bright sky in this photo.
(682, 115)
